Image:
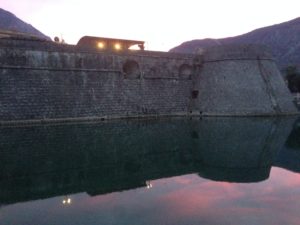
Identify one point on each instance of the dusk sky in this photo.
(187, 199)
(162, 24)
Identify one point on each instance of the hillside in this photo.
(9, 21)
(283, 39)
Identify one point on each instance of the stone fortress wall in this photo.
(242, 80)
(46, 82)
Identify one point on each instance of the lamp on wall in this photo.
(101, 45)
(118, 46)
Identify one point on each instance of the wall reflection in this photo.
(45, 161)
(289, 156)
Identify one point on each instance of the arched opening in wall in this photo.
(131, 69)
(185, 71)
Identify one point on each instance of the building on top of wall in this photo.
(103, 43)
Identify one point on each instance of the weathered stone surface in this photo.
(44, 81)
(244, 81)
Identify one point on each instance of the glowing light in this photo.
(101, 45)
(67, 201)
(148, 184)
(118, 46)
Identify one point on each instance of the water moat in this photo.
(179, 171)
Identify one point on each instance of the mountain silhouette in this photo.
(283, 40)
(9, 22)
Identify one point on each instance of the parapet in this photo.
(237, 52)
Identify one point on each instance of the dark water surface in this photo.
(208, 171)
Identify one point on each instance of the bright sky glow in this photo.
(162, 24)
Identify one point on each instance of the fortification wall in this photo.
(44, 81)
(242, 81)
(55, 83)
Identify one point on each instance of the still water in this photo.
(199, 171)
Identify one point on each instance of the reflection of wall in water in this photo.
(44, 161)
(293, 141)
(241, 149)
(289, 156)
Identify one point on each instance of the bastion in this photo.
(43, 81)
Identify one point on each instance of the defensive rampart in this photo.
(45, 81)
(242, 80)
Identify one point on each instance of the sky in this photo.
(181, 200)
(162, 24)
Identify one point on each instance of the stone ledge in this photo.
(132, 117)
